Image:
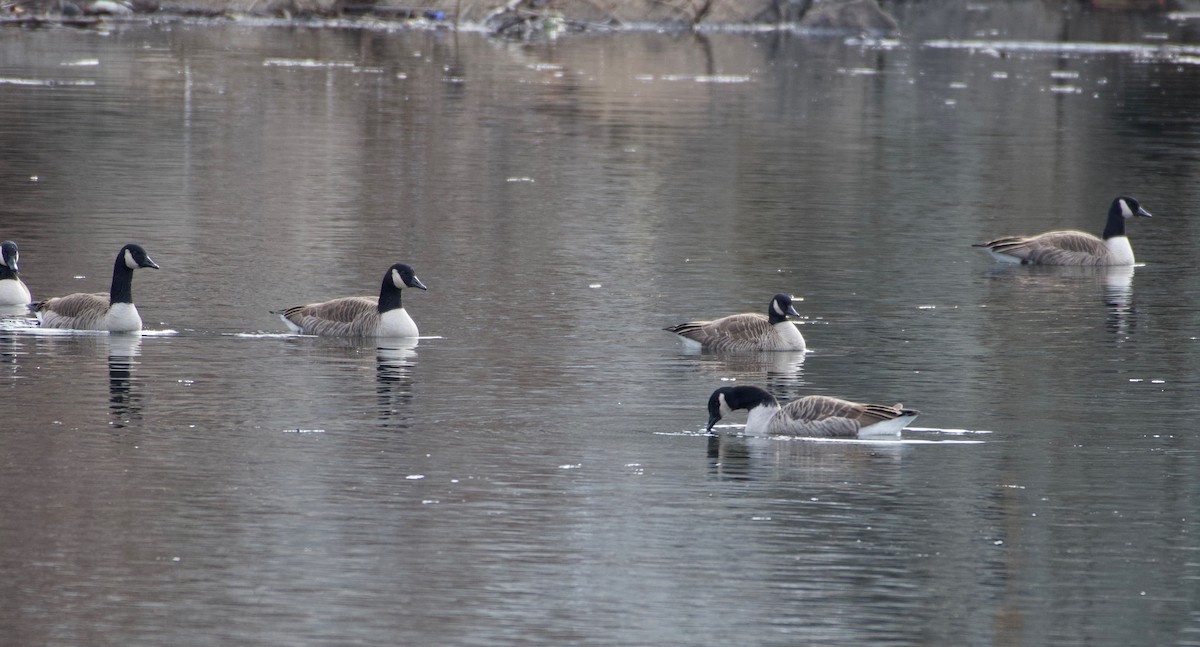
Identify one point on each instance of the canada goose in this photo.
(812, 416)
(1073, 247)
(113, 311)
(749, 331)
(359, 316)
(12, 291)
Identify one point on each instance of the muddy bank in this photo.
(511, 16)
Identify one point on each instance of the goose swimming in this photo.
(359, 316)
(1069, 247)
(749, 331)
(112, 311)
(811, 416)
(13, 291)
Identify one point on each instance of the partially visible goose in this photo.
(359, 316)
(749, 331)
(811, 416)
(1073, 247)
(12, 291)
(113, 311)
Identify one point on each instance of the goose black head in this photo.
(134, 257)
(1129, 207)
(781, 307)
(728, 399)
(403, 276)
(9, 255)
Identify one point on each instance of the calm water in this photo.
(534, 471)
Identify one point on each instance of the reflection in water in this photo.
(394, 360)
(124, 397)
(1113, 285)
(775, 370)
(636, 182)
(732, 457)
(10, 354)
(17, 312)
(1118, 296)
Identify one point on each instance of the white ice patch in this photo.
(43, 82)
(307, 63)
(1142, 51)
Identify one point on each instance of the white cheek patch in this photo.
(396, 280)
(777, 307)
(129, 262)
(1126, 212)
(725, 410)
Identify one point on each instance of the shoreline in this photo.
(523, 18)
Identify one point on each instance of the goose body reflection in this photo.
(1118, 296)
(124, 400)
(1073, 247)
(814, 416)
(394, 360)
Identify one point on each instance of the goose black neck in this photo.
(7, 272)
(122, 283)
(749, 397)
(1116, 221)
(389, 295)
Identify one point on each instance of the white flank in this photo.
(886, 428)
(690, 344)
(291, 326)
(1004, 258)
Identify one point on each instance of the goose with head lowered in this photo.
(814, 416)
(113, 311)
(359, 316)
(749, 331)
(1070, 247)
(12, 290)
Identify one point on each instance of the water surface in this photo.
(533, 470)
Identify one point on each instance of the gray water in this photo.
(534, 470)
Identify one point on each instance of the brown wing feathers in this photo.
(726, 333)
